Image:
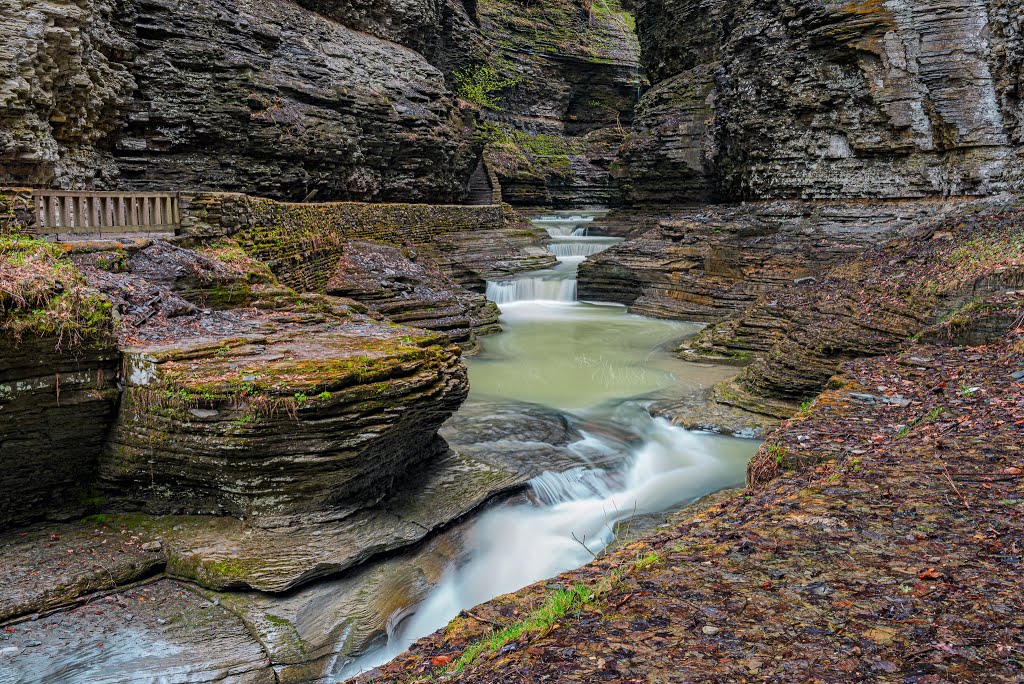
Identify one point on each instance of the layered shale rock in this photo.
(804, 98)
(284, 420)
(410, 292)
(957, 280)
(58, 366)
(445, 32)
(711, 262)
(267, 97)
(558, 96)
(303, 243)
(56, 406)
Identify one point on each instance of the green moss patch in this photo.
(43, 294)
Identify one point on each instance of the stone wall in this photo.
(301, 243)
(16, 211)
(815, 99)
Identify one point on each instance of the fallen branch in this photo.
(479, 618)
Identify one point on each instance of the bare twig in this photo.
(583, 544)
(952, 484)
(479, 618)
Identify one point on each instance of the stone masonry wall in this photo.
(301, 243)
(15, 209)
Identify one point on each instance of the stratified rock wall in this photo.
(572, 76)
(269, 98)
(56, 407)
(443, 31)
(804, 98)
(64, 78)
(317, 419)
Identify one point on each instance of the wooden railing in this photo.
(75, 213)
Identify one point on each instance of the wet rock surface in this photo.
(52, 566)
(164, 630)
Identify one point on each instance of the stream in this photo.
(602, 367)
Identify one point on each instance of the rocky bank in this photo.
(889, 555)
(222, 431)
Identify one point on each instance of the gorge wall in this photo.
(271, 98)
(559, 94)
(812, 99)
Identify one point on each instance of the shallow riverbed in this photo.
(600, 367)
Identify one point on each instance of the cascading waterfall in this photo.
(601, 364)
(514, 546)
(580, 247)
(532, 289)
(556, 284)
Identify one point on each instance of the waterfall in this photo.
(565, 219)
(556, 284)
(532, 289)
(563, 226)
(574, 519)
(580, 247)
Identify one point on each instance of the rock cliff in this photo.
(804, 98)
(270, 98)
(558, 97)
(58, 370)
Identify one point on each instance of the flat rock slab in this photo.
(161, 632)
(314, 631)
(52, 565)
(227, 553)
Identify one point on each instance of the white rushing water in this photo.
(580, 246)
(539, 289)
(603, 365)
(513, 546)
(557, 284)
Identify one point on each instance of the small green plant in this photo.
(778, 452)
(651, 560)
(559, 604)
(301, 398)
(482, 86)
(926, 418)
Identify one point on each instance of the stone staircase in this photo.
(480, 191)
